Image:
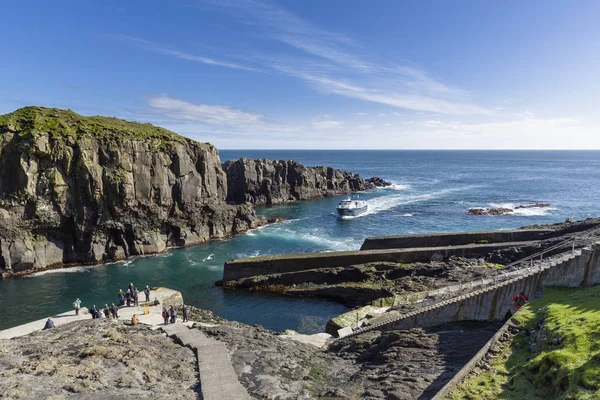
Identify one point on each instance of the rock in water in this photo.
(504, 210)
(264, 181)
(77, 189)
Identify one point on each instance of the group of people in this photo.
(128, 297)
(132, 296)
(170, 315)
(108, 311)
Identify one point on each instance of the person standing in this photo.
(93, 311)
(165, 316)
(172, 314)
(114, 311)
(106, 311)
(77, 306)
(185, 313)
(136, 295)
(147, 293)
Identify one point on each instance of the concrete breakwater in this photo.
(455, 239)
(248, 267)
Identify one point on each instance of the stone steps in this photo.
(218, 380)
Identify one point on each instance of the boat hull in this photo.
(351, 212)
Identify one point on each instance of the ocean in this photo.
(431, 192)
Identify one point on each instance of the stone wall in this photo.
(454, 239)
(247, 267)
(495, 301)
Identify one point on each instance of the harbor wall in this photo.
(495, 301)
(248, 267)
(454, 239)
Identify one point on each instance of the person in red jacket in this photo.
(519, 300)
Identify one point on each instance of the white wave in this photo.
(533, 212)
(68, 270)
(407, 215)
(209, 257)
(395, 186)
(524, 212)
(255, 253)
(315, 236)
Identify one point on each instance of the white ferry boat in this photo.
(351, 208)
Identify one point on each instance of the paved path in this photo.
(165, 297)
(218, 380)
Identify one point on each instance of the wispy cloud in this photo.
(326, 122)
(346, 69)
(169, 51)
(181, 111)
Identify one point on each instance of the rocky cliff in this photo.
(77, 189)
(274, 182)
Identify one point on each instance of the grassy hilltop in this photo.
(28, 121)
(555, 356)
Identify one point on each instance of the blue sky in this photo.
(308, 74)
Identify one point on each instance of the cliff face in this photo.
(274, 182)
(77, 189)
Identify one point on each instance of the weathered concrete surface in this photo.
(454, 239)
(165, 296)
(247, 267)
(218, 380)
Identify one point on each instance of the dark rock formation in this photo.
(77, 189)
(504, 210)
(275, 182)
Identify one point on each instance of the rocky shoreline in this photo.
(86, 190)
(106, 359)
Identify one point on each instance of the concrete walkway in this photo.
(218, 380)
(165, 296)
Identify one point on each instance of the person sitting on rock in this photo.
(98, 314)
(49, 324)
(134, 320)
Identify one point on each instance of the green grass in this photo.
(563, 364)
(29, 121)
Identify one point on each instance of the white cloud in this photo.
(213, 115)
(166, 50)
(381, 115)
(364, 126)
(326, 123)
(359, 113)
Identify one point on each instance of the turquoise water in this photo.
(432, 192)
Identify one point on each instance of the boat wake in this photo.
(385, 203)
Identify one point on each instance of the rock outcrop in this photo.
(77, 189)
(263, 181)
(505, 210)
